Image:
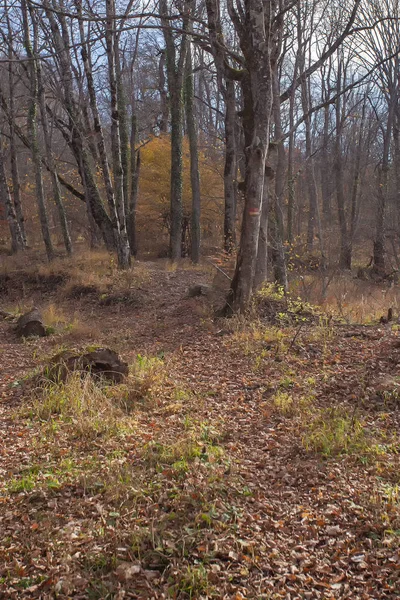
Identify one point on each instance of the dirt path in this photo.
(213, 494)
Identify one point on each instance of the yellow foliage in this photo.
(154, 190)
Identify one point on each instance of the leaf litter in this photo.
(252, 465)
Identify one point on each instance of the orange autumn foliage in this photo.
(154, 191)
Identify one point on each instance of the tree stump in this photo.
(101, 363)
(31, 324)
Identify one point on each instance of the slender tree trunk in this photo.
(77, 142)
(32, 127)
(17, 242)
(261, 273)
(16, 185)
(194, 160)
(345, 241)
(325, 164)
(123, 126)
(175, 68)
(164, 106)
(290, 174)
(280, 269)
(379, 251)
(101, 145)
(123, 250)
(135, 175)
(230, 168)
(50, 161)
(357, 176)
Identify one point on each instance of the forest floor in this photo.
(240, 459)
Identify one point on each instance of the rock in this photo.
(386, 385)
(101, 362)
(31, 324)
(127, 571)
(201, 289)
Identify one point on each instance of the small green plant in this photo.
(23, 484)
(193, 582)
(283, 402)
(272, 291)
(289, 405)
(335, 431)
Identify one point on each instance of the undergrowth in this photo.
(81, 405)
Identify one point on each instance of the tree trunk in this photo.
(175, 69)
(379, 262)
(257, 96)
(77, 142)
(32, 126)
(325, 170)
(230, 169)
(50, 161)
(261, 273)
(17, 242)
(345, 241)
(279, 258)
(164, 107)
(194, 160)
(123, 250)
(16, 185)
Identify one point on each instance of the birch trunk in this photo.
(17, 241)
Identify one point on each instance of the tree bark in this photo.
(123, 250)
(279, 258)
(77, 143)
(17, 241)
(345, 241)
(16, 184)
(31, 52)
(50, 161)
(230, 168)
(164, 106)
(194, 160)
(175, 72)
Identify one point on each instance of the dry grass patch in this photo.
(82, 406)
(146, 382)
(347, 297)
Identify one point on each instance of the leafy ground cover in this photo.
(241, 459)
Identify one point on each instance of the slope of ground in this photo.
(240, 460)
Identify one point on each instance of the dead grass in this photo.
(349, 298)
(85, 273)
(82, 406)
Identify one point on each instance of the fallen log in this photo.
(31, 324)
(101, 363)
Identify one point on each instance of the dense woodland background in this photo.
(153, 127)
(164, 164)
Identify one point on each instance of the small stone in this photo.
(127, 571)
